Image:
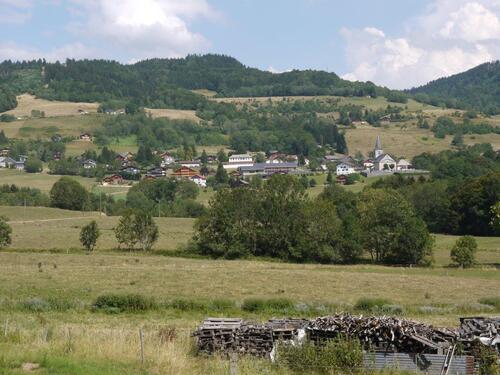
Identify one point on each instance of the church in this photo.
(387, 163)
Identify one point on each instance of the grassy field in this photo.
(27, 103)
(48, 228)
(174, 114)
(42, 181)
(407, 141)
(70, 339)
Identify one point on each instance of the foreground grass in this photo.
(42, 181)
(70, 338)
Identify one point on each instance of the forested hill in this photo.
(165, 82)
(477, 88)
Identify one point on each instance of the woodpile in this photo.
(235, 335)
(387, 334)
(382, 333)
(484, 330)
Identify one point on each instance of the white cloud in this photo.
(146, 28)
(450, 37)
(15, 11)
(14, 51)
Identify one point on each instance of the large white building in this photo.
(239, 160)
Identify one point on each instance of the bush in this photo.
(491, 301)
(371, 304)
(463, 252)
(270, 305)
(336, 355)
(36, 304)
(124, 302)
(185, 304)
(392, 309)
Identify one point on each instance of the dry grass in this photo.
(174, 114)
(49, 228)
(42, 181)
(27, 103)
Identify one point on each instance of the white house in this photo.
(239, 160)
(199, 180)
(368, 164)
(166, 159)
(6, 162)
(403, 165)
(345, 169)
(189, 163)
(89, 164)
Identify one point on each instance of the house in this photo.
(238, 160)
(199, 180)
(403, 165)
(185, 172)
(189, 163)
(156, 172)
(86, 137)
(368, 164)
(23, 158)
(115, 179)
(6, 162)
(19, 165)
(277, 158)
(268, 169)
(166, 159)
(131, 170)
(345, 168)
(124, 156)
(4, 152)
(341, 179)
(89, 164)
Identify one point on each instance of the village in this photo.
(241, 168)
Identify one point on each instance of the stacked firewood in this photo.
(236, 335)
(382, 333)
(484, 330)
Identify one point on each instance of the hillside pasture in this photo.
(27, 103)
(42, 181)
(406, 141)
(71, 126)
(174, 114)
(43, 228)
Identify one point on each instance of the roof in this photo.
(378, 143)
(264, 166)
(382, 156)
(241, 156)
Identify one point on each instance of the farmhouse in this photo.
(6, 162)
(89, 164)
(123, 156)
(199, 180)
(156, 172)
(185, 172)
(345, 168)
(115, 179)
(85, 137)
(19, 165)
(166, 159)
(189, 163)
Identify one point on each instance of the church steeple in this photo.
(378, 147)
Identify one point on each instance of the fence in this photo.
(426, 363)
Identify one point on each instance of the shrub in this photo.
(185, 304)
(222, 305)
(36, 304)
(335, 355)
(392, 309)
(124, 302)
(273, 304)
(463, 252)
(492, 301)
(371, 304)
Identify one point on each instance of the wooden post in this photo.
(141, 337)
(233, 363)
(6, 328)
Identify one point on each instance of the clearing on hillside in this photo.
(27, 103)
(174, 114)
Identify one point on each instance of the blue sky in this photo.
(399, 44)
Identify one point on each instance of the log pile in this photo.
(236, 335)
(382, 333)
(485, 330)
